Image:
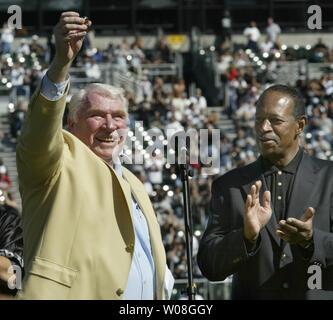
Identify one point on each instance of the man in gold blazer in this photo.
(90, 231)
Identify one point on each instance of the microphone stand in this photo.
(185, 173)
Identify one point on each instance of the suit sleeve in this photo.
(323, 243)
(222, 249)
(40, 146)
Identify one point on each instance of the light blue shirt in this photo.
(53, 91)
(141, 280)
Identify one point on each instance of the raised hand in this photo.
(69, 34)
(256, 216)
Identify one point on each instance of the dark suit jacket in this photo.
(275, 269)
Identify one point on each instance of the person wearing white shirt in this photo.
(253, 34)
(7, 39)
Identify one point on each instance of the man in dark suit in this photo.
(271, 222)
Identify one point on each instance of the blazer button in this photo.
(130, 248)
(119, 292)
(283, 257)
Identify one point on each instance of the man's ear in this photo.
(302, 121)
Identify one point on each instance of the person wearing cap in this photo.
(90, 230)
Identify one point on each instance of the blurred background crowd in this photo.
(240, 72)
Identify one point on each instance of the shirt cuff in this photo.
(251, 246)
(53, 91)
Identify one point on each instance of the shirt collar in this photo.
(116, 165)
(291, 167)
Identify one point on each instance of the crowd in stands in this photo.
(167, 104)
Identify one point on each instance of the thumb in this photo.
(309, 213)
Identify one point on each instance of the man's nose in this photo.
(266, 125)
(110, 122)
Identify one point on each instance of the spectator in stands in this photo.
(330, 109)
(162, 53)
(252, 33)
(160, 100)
(156, 121)
(199, 102)
(326, 125)
(321, 51)
(327, 83)
(174, 122)
(137, 56)
(17, 80)
(146, 87)
(5, 182)
(23, 48)
(175, 257)
(223, 65)
(273, 32)
(226, 26)
(7, 39)
(3, 168)
(139, 43)
(36, 48)
(241, 59)
(266, 46)
(34, 77)
(144, 110)
(11, 250)
(92, 69)
(17, 117)
(153, 167)
(120, 54)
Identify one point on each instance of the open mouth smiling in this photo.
(106, 139)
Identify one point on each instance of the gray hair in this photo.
(79, 99)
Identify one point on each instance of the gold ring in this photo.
(86, 20)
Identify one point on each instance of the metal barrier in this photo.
(113, 74)
(291, 71)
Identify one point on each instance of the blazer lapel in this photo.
(124, 219)
(254, 174)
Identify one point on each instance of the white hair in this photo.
(79, 99)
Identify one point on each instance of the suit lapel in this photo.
(252, 175)
(302, 190)
(301, 194)
(124, 218)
